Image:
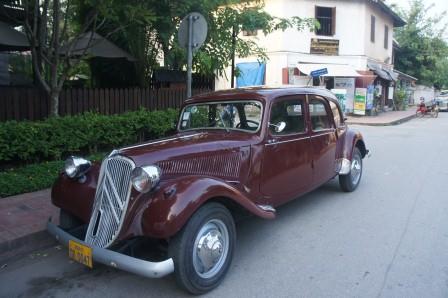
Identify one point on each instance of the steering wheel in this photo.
(249, 121)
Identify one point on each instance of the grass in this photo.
(33, 177)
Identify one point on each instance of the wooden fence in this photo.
(34, 104)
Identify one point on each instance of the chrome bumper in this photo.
(115, 259)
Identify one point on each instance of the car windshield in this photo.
(239, 115)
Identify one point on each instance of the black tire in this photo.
(185, 251)
(418, 114)
(68, 221)
(350, 182)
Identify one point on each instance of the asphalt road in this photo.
(387, 239)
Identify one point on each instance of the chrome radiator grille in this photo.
(111, 201)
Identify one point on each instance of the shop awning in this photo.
(334, 70)
(93, 44)
(12, 40)
(383, 73)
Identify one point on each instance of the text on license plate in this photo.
(80, 253)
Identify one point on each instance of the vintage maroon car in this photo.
(238, 150)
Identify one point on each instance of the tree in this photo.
(225, 18)
(423, 51)
(49, 27)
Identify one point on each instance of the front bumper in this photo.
(115, 259)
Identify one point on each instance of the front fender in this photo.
(162, 213)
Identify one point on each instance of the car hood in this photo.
(212, 153)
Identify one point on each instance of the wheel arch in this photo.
(164, 213)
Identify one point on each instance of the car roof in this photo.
(263, 93)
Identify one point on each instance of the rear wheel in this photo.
(203, 250)
(351, 181)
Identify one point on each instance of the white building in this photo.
(354, 39)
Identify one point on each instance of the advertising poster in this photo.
(369, 99)
(341, 96)
(349, 85)
(360, 101)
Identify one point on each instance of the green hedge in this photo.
(33, 177)
(55, 138)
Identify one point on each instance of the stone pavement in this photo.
(384, 118)
(23, 221)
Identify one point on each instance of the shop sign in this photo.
(360, 101)
(324, 46)
(349, 85)
(319, 72)
(369, 99)
(341, 96)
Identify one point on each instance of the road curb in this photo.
(25, 244)
(395, 122)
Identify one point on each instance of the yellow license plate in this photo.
(80, 253)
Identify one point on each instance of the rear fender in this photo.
(352, 140)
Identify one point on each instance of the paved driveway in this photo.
(387, 239)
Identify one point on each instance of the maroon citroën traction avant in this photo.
(249, 150)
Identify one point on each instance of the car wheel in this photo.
(203, 250)
(68, 221)
(351, 181)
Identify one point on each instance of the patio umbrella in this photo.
(12, 40)
(93, 44)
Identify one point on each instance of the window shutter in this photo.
(333, 20)
(372, 28)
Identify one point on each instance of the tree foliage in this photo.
(423, 51)
(157, 36)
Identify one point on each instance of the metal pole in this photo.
(232, 72)
(190, 54)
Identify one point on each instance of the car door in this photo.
(286, 165)
(323, 139)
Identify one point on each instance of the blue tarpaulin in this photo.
(251, 74)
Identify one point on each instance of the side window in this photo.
(291, 112)
(336, 114)
(318, 115)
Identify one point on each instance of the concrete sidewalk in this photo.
(23, 221)
(384, 118)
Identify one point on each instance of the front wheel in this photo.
(435, 113)
(351, 181)
(419, 114)
(203, 250)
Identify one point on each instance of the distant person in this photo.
(422, 102)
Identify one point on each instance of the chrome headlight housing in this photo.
(76, 167)
(144, 179)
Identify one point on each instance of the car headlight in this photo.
(76, 166)
(145, 178)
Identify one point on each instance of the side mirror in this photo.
(279, 127)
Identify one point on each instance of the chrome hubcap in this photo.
(355, 171)
(210, 249)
